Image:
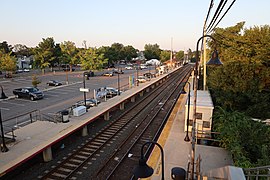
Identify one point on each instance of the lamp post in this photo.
(187, 137)
(3, 147)
(213, 61)
(118, 80)
(3, 96)
(84, 93)
(137, 75)
(143, 170)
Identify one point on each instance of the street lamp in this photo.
(213, 61)
(84, 93)
(3, 147)
(143, 170)
(118, 80)
(3, 96)
(187, 137)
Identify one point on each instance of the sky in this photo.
(168, 23)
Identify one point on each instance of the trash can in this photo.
(65, 116)
(178, 173)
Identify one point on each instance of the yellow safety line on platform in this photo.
(155, 159)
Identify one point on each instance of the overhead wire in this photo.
(220, 10)
(215, 15)
(222, 16)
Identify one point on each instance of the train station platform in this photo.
(39, 136)
(177, 152)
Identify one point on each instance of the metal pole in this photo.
(137, 75)
(162, 155)
(194, 107)
(84, 93)
(187, 137)
(4, 147)
(118, 81)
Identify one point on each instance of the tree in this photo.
(129, 52)
(152, 51)
(5, 47)
(69, 51)
(44, 53)
(237, 43)
(242, 86)
(7, 62)
(247, 140)
(21, 50)
(35, 81)
(91, 60)
(180, 55)
(165, 55)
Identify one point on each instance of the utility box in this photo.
(78, 111)
(65, 116)
(204, 113)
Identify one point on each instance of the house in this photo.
(24, 62)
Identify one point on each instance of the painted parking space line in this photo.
(6, 109)
(6, 102)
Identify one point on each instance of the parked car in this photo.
(117, 71)
(89, 103)
(129, 67)
(109, 92)
(31, 93)
(110, 74)
(141, 79)
(149, 75)
(26, 70)
(8, 75)
(54, 83)
(89, 74)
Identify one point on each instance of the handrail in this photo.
(257, 172)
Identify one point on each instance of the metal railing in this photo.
(262, 172)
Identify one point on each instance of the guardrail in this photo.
(262, 172)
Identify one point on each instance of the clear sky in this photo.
(136, 23)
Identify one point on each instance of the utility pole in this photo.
(171, 52)
(204, 56)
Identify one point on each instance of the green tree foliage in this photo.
(180, 55)
(91, 60)
(69, 53)
(165, 55)
(237, 43)
(22, 50)
(5, 47)
(44, 53)
(247, 140)
(7, 62)
(35, 81)
(152, 51)
(129, 52)
(242, 86)
(117, 52)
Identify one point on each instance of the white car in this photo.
(141, 79)
(128, 67)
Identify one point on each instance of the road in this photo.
(55, 98)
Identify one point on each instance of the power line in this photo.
(222, 16)
(217, 15)
(219, 6)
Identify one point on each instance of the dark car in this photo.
(89, 103)
(8, 75)
(54, 83)
(28, 92)
(89, 74)
(116, 71)
(149, 75)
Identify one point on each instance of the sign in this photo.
(84, 89)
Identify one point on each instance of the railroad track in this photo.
(104, 156)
